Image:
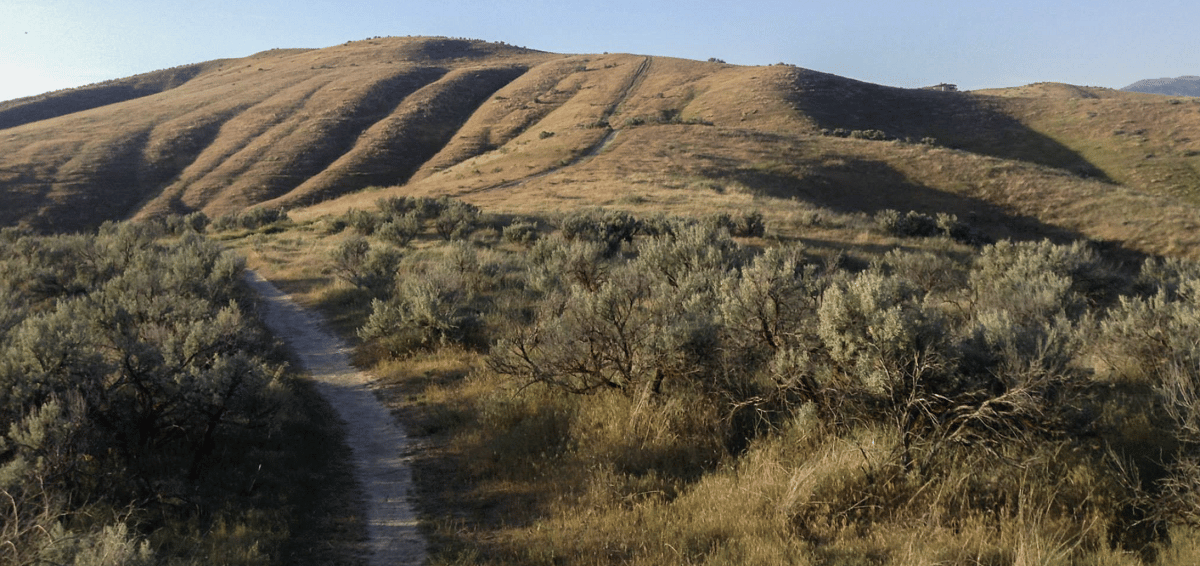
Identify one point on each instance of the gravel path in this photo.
(377, 440)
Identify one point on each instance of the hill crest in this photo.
(518, 129)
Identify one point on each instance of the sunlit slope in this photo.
(247, 130)
(528, 131)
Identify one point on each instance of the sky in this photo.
(52, 44)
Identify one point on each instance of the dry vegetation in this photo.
(516, 130)
(717, 442)
(836, 383)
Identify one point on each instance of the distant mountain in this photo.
(1182, 86)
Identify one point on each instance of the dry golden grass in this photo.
(526, 132)
(1147, 142)
(521, 477)
(242, 131)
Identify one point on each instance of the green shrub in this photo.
(873, 325)
(123, 390)
(910, 225)
(930, 272)
(524, 233)
(772, 301)
(1037, 281)
(195, 222)
(626, 334)
(364, 222)
(400, 230)
(554, 264)
(748, 225)
(433, 304)
(692, 248)
(609, 227)
(250, 219)
(456, 220)
(356, 262)
(918, 225)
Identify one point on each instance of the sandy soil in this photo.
(379, 443)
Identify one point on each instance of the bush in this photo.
(250, 219)
(400, 231)
(771, 302)
(873, 325)
(364, 222)
(1040, 280)
(456, 220)
(129, 371)
(609, 227)
(749, 225)
(194, 222)
(523, 233)
(357, 263)
(627, 334)
(1001, 395)
(878, 135)
(554, 264)
(432, 305)
(910, 225)
(692, 249)
(918, 225)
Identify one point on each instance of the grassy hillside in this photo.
(1147, 142)
(243, 131)
(521, 130)
(622, 300)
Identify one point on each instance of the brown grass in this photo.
(511, 475)
(519, 131)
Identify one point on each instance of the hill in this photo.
(523, 130)
(1180, 86)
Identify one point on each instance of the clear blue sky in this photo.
(52, 44)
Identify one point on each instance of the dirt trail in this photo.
(379, 444)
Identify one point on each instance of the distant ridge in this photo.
(1182, 86)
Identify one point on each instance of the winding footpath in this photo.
(378, 442)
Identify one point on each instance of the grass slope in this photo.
(522, 130)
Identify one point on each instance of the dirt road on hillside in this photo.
(377, 440)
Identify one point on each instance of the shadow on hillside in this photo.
(447, 48)
(419, 126)
(956, 120)
(54, 104)
(870, 186)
